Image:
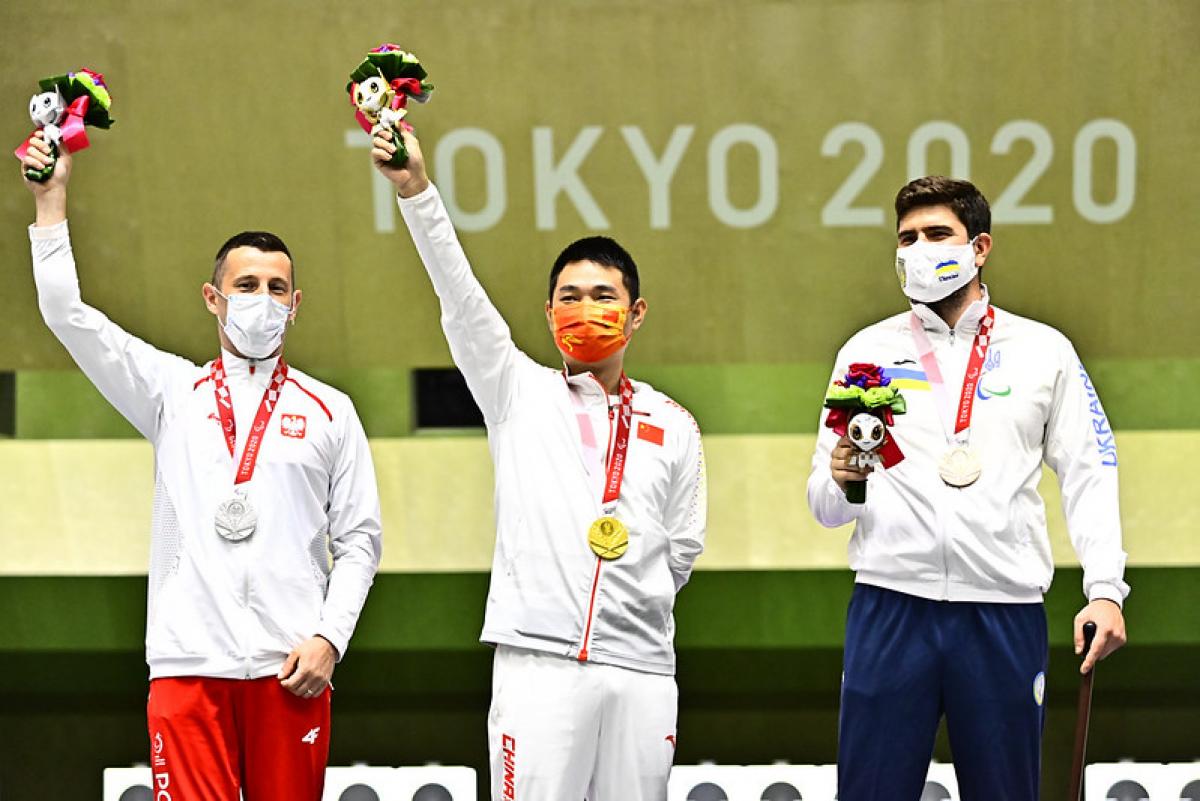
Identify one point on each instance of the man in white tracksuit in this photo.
(600, 513)
(950, 548)
(265, 532)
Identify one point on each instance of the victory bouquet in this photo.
(862, 406)
(380, 88)
(62, 110)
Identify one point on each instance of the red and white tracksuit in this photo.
(222, 616)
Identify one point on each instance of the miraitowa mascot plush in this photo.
(380, 88)
(861, 406)
(66, 104)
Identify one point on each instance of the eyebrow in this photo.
(595, 287)
(928, 229)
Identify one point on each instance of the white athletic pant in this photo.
(564, 730)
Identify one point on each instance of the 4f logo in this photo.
(311, 737)
(293, 425)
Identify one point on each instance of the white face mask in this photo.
(929, 271)
(255, 323)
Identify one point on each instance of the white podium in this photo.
(1135, 781)
(361, 783)
(790, 782)
(707, 783)
(435, 783)
(356, 783)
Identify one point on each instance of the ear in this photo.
(212, 300)
(637, 314)
(550, 318)
(983, 246)
(297, 296)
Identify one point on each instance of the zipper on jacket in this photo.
(945, 558)
(587, 631)
(245, 613)
(587, 627)
(943, 537)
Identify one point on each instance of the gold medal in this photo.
(608, 538)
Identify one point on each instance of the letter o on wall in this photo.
(496, 196)
(718, 175)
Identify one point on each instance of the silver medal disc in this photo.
(960, 467)
(236, 519)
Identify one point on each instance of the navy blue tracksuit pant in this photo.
(908, 661)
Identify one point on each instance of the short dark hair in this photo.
(259, 240)
(603, 251)
(967, 202)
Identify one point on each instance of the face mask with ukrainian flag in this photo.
(929, 271)
(589, 332)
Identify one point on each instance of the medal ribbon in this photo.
(229, 426)
(959, 430)
(615, 470)
(616, 462)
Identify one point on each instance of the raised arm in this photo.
(133, 376)
(480, 341)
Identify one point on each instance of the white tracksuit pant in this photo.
(564, 730)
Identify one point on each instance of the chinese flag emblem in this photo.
(650, 433)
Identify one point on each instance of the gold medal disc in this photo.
(608, 538)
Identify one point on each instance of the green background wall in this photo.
(758, 261)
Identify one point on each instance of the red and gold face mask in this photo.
(590, 332)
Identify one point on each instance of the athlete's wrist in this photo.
(333, 648)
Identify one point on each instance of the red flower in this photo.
(866, 375)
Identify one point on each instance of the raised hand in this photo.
(410, 179)
(843, 466)
(50, 195)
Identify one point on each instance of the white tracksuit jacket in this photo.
(216, 608)
(987, 542)
(549, 592)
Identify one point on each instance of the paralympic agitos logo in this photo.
(988, 387)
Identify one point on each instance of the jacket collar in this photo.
(238, 368)
(967, 324)
(589, 387)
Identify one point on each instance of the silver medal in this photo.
(960, 467)
(236, 519)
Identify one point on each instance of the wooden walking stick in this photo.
(1082, 717)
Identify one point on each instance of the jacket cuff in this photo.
(845, 511)
(56, 231)
(1103, 591)
(421, 198)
